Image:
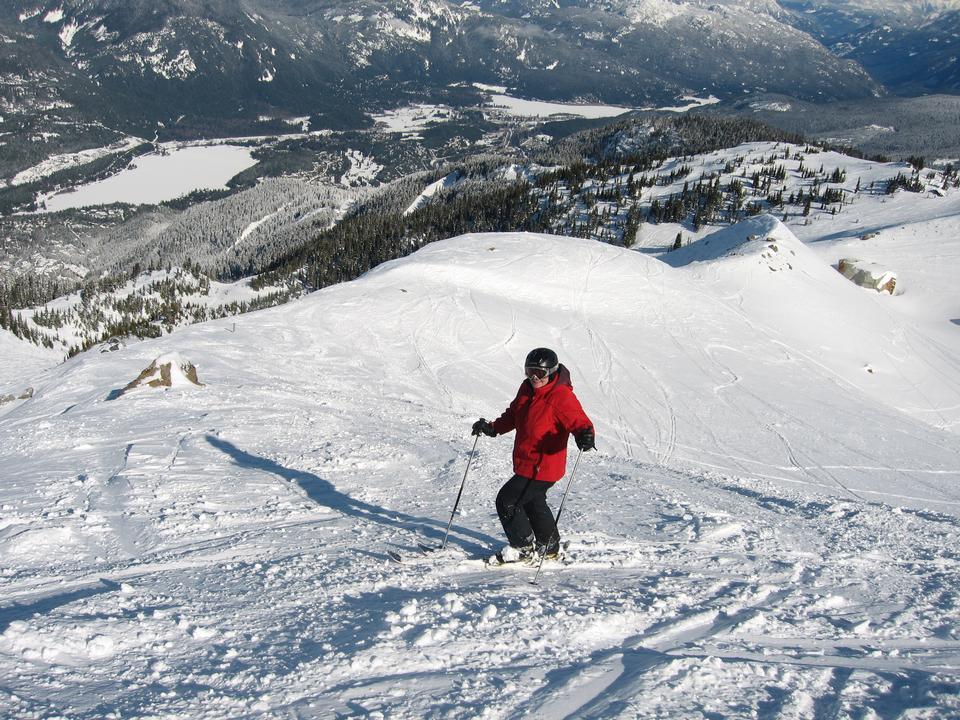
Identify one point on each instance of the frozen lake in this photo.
(536, 108)
(152, 179)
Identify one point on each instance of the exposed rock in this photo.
(25, 395)
(868, 275)
(170, 370)
(112, 345)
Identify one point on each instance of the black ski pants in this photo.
(522, 507)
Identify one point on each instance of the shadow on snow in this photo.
(324, 493)
(17, 611)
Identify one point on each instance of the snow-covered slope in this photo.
(760, 534)
(866, 340)
(19, 360)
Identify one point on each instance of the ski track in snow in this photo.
(221, 552)
(635, 618)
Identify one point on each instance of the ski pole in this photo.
(556, 520)
(463, 484)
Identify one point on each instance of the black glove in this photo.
(586, 440)
(482, 426)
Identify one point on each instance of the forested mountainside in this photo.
(252, 229)
(204, 68)
(909, 47)
(605, 184)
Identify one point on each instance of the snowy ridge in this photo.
(753, 538)
(252, 227)
(444, 183)
(760, 268)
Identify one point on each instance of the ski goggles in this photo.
(538, 372)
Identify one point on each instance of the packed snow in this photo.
(866, 341)
(760, 534)
(423, 199)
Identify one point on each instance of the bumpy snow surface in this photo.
(769, 528)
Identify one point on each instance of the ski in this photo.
(528, 564)
(533, 561)
(422, 550)
(401, 558)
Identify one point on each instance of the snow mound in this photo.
(764, 240)
(168, 370)
(73, 647)
(28, 543)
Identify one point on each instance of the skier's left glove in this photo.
(482, 426)
(586, 440)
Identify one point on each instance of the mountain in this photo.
(76, 72)
(913, 58)
(909, 47)
(763, 531)
(830, 20)
(888, 127)
(240, 231)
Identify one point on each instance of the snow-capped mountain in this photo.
(914, 57)
(769, 527)
(196, 64)
(910, 47)
(875, 8)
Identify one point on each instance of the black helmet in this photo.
(542, 358)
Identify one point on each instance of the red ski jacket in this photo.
(543, 419)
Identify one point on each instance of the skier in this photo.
(544, 413)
